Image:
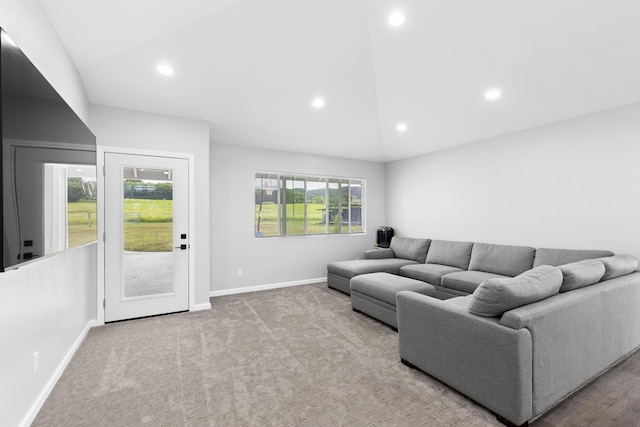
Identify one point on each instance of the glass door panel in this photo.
(148, 232)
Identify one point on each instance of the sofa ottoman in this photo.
(374, 294)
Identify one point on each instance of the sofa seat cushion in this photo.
(496, 296)
(408, 248)
(556, 257)
(356, 267)
(445, 252)
(618, 265)
(431, 273)
(501, 259)
(580, 274)
(467, 281)
(384, 286)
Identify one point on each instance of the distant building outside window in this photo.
(296, 205)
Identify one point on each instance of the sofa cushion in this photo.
(618, 265)
(445, 252)
(467, 281)
(501, 259)
(408, 248)
(384, 286)
(431, 273)
(495, 296)
(581, 273)
(546, 256)
(353, 268)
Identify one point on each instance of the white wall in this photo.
(45, 306)
(273, 261)
(117, 127)
(572, 184)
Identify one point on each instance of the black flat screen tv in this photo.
(48, 161)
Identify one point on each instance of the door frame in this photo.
(100, 154)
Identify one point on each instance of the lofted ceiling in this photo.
(251, 68)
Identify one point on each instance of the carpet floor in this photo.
(295, 356)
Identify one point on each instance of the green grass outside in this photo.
(148, 237)
(149, 210)
(148, 224)
(80, 232)
(295, 220)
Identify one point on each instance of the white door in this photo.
(146, 236)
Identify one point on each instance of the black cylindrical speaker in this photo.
(384, 237)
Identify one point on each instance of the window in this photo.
(294, 205)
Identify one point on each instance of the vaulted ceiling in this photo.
(251, 68)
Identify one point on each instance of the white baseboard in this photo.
(48, 388)
(265, 287)
(200, 307)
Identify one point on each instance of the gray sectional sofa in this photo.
(515, 328)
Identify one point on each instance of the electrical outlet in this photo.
(239, 272)
(36, 361)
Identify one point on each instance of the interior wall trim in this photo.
(48, 388)
(201, 307)
(265, 287)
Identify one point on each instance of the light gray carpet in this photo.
(295, 356)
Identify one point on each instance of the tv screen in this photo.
(48, 162)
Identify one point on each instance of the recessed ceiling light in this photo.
(397, 18)
(165, 69)
(318, 103)
(401, 127)
(492, 94)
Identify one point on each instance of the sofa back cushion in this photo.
(618, 265)
(501, 259)
(580, 274)
(408, 248)
(454, 254)
(495, 296)
(547, 256)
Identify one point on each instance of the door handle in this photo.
(182, 247)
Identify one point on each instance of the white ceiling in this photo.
(252, 67)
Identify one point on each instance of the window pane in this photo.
(356, 206)
(266, 199)
(316, 206)
(334, 206)
(147, 210)
(344, 206)
(293, 206)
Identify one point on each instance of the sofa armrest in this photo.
(477, 356)
(379, 253)
(578, 334)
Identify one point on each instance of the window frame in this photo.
(282, 178)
